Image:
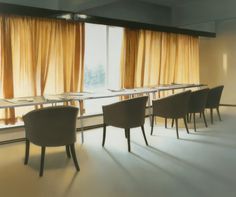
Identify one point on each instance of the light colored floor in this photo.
(199, 164)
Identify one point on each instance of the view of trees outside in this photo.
(94, 78)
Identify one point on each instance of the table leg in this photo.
(154, 96)
(81, 120)
(149, 108)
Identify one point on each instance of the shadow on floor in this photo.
(187, 164)
(119, 164)
(55, 160)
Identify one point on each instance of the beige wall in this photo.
(218, 60)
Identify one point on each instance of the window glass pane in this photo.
(95, 57)
(102, 63)
(114, 53)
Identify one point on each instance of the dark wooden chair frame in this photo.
(173, 107)
(50, 121)
(125, 114)
(197, 104)
(213, 101)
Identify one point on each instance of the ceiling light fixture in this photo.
(65, 16)
(81, 16)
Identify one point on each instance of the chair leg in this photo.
(128, 138)
(211, 111)
(172, 123)
(104, 135)
(27, 148)
(176, 125)
(190, 117)
(68, 151)
(218, 112)
(72, 148)
(152, 124)
(194, 121)
(126, 134)
(204, 118)
(165, 122)
(186, 125)
(187, 117)
(144, 135)
(43, 149)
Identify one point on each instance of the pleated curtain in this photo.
(39, 56)
(152, 58)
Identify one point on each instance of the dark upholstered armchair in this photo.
(197, 104)
(125, 114)
(50, 127)
(174, 107)
(213, 100)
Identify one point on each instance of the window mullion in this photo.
(107, 56)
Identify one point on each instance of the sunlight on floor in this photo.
(201, 163)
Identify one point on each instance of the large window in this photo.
(95, 57)
(115, 36)
(102, 62)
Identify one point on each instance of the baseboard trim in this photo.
(90, 127)
(228, 105)
(12, 141)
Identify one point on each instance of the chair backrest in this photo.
(214, 95)
(198, 100)
(174, 106)
(126, 114)
(51, 126)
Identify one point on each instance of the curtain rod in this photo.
(139, 25)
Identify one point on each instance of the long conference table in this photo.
(82, 96)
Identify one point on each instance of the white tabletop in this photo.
(78, 96)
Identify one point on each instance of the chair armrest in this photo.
(126, 114)
(114, 114)
(174, 106)
(163, 107)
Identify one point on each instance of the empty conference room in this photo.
(114, 98)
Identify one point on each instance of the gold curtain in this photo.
(129, 56)
(42, 56)
(7, 89)
(160, 58)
